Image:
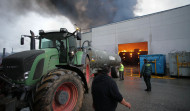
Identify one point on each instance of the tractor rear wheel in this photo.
(61, 90)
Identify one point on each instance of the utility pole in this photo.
(4, 49)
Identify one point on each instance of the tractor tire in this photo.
(114, 72)
(86, 71)
(61, 90)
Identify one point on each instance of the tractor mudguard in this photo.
(78, 71)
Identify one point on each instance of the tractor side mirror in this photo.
(78, 36)
(22, 41)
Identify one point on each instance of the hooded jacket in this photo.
(105, 93)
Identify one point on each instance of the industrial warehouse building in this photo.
(159, 33)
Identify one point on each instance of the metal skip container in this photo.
(158, 62)
(179, 64)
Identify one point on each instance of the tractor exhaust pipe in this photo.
(32, 40)
(32, 43)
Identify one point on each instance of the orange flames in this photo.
(142, 46)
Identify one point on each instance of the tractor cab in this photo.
(63, 41)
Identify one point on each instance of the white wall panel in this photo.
(170, 24)
(170, 46)
(165, 32)
(85, 36)
(104, 38)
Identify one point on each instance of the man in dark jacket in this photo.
(105, 92)
(146, 73)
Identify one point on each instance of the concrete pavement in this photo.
(168, 94)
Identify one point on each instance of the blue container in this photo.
(156, 59)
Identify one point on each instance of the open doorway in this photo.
(130, 52)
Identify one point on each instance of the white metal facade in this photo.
(165, 32)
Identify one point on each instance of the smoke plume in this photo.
(84, 13)
(18, 17)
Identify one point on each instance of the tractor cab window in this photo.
(61, 45)
(52, 40)
(62, 51)
(47, 43)
(72, 43)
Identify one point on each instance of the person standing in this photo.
(146, 73)
(121, 71)
(105, 93)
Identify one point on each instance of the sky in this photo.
(144, 7)
(18, 17)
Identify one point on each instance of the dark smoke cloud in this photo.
(84, 13)
(91, 13)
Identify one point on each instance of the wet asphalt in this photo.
(168, 94)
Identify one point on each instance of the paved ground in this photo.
(168, 94)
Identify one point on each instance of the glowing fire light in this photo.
(131, 55)
(123, 51)
(142, 46)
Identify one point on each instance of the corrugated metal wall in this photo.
(104, 38)
(165, 32)
(179, 64)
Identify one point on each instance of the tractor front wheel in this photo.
(59, 91)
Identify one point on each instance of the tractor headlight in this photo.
(72, 53)
(26, 74)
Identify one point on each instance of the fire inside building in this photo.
(130, 52)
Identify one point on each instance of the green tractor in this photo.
(53, 78)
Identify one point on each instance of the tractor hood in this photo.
(17, 64)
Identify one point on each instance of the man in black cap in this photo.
(146, 73)
(105, 92)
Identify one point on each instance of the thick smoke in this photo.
(92, 13)
(17, 17)
(84, 13)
